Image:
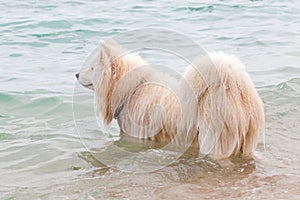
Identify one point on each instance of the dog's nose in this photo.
(77, 75)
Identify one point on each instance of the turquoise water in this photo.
(43, 45)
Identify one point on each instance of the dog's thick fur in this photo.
(214, 108)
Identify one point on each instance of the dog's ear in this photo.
(111, 53)
(106, 53)
(111, 48)
(101, 42)
(104, 49)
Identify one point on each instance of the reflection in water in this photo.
(189, 175)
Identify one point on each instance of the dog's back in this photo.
(229, 110)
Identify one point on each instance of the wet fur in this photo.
(214, 108)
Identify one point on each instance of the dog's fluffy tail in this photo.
(229, 109)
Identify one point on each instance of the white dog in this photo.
(214, 108)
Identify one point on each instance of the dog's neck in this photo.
(118, 111)
(135, 74)
(119, 108)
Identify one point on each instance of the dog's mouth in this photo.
(90, 86)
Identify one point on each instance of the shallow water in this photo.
(44, 43)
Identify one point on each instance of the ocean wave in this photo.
(34, 104)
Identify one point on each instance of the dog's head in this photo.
(106, 72)
(100, 72)
(99, 63)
